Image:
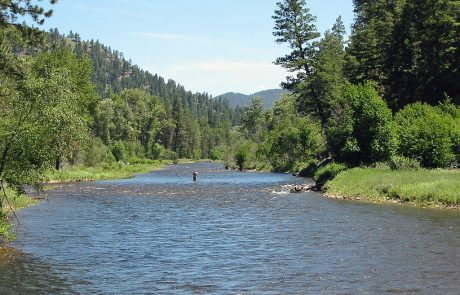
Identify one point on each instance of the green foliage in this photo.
(403, 163)
(409, 47)
(5, 229)
(425, 187)
(242, 156)
(361, 130)
(43, 116)
(306, 168)
(290, 138)
(139, 106)
(295, 26)
(118, 151)
(328, 172)
(11, 10)
(252, 118)
(426, 133)
(217, 153)
(319, 92)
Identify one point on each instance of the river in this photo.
(228, 233)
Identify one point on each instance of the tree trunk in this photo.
(58, 163)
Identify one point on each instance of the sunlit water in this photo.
(229, 233)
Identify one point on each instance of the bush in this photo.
(426, 133)
(328, 172)
(381, 166)
(361, 129)
(157, 151)
(403, 163)
(118, 150)
(5, 226)
(217, 154)
(242, 156)
(291, 141)
(96, 153)
(306, 168)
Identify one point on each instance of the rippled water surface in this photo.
(228, 233)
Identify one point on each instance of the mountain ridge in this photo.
(269, 97)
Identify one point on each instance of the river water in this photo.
(228, 233)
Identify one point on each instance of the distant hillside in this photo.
(268, 97)
(112, 73)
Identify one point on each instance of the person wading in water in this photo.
(195, 175)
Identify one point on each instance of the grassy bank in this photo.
(113, 171)
(433, 188)
(15, 201)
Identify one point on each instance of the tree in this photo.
(290, 138)
(361, 129)
(40, 120)
(295, 25)
(10, 11)
(252, 117)
(79, 95)
(371, 39)
(23, 151)
(325, 84)
(425, 58)
(408, 47)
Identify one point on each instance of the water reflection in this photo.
(23, 274)
(233, 232)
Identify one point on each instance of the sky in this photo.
(213, 46)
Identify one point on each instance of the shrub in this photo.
(426, 133)
(306, 168)
(118, 150)
(157, 151)
(133, 149)
(217, 153)
(242, 156)
(361, 129)
(328, 172)
(403, 163)
(96, 153)
(5, 226)
(381, 166)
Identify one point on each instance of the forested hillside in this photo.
(191, 124)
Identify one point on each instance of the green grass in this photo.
(16, 201)
(420, 187)
(114, 171)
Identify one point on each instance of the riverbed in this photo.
(229, 232)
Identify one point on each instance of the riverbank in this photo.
(438, 188)
(113, 171)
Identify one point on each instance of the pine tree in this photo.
(324, 86)
(295, 26)
(425, 62)
(11, 10)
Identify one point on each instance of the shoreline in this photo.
(390, 201)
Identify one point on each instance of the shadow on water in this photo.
(232, 232)
(24, 274)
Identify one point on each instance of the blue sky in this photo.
(212, 46)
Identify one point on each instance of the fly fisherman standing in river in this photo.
(195, 175)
